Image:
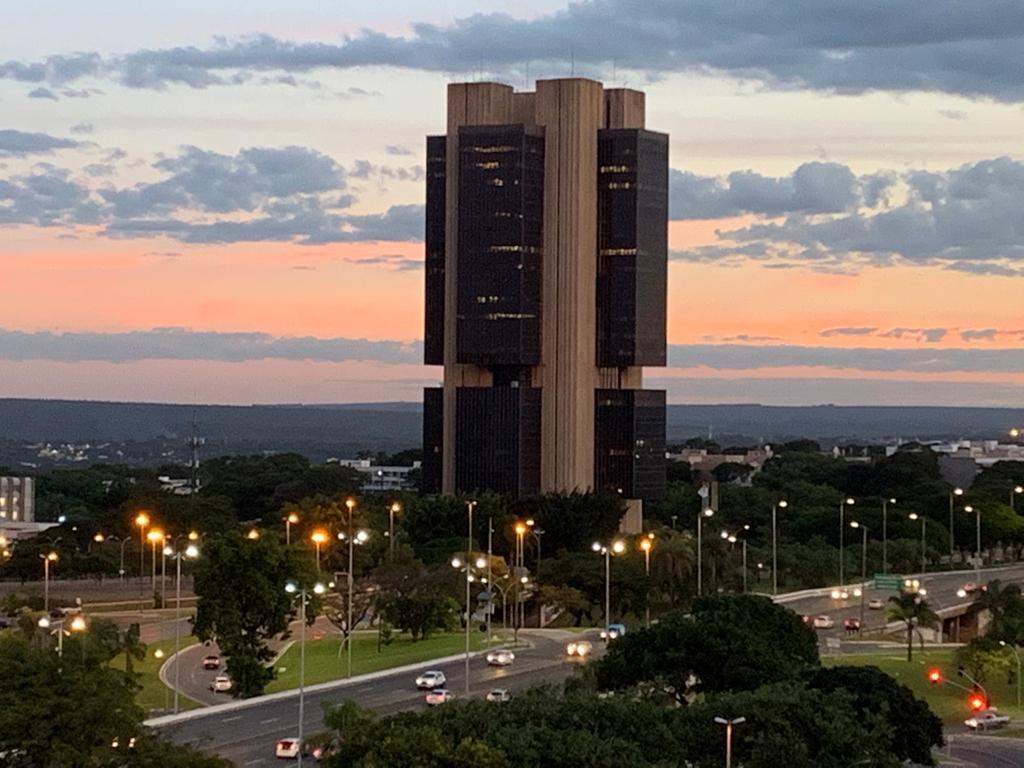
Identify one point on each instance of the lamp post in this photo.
(863, 569)
(49, 557)
(646, 544)
(319, 537)
(952, 501)
(518, 618)
(1014, 493)
(470, 506)
(77, 625)
(360, 537)
(289, 520)
(392, 511)
(1016, 656)
(100, 539)
(977, 549)
(842, 527)
(191, 551)
(885, 533)
(616, 547)
(142, 520)
(302, 594)
(490, 577)
(536, 531)
(153, 537)
(775, 544)
(729, 724)
(924, 550)
(706, 512)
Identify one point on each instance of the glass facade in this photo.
(433, 439)
(433, 336)
(497, 440)
(632, 247)
(500, 241)
(629, 444)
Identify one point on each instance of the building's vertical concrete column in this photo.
(571, 112)
(468, 104)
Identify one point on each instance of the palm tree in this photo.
(914, 611)
(131, 647)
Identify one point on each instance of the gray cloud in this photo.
(741, 357)
(19, 143)
(971, 49)
(46, 197)
(930, 335)
(967, 219)
(185, 344)
(83, 128)
(394, 149)
(862, 331)
(42, 93)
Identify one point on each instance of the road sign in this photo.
(888, 581)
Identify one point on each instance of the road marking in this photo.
(254, 762)
(231, 719)
(268, 722)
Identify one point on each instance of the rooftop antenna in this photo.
(572, 62)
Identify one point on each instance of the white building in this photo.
(380, 479)
(17, 499)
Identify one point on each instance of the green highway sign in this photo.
(888, 581)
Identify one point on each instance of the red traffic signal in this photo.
(977, 702)
(935, 676)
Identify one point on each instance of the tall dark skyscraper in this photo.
(546, 265)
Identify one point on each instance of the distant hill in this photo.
(344, 429)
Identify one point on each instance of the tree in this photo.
(414, 598)
(1006, 605)
(567, 599)
(242, 603)
(909, 728)
(914, 612)
(335, 605)
(730, 643)
(984, 658)
(131, 646)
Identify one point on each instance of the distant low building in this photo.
(179, 486)
(381, 479)
(704, 463)
(17, 499)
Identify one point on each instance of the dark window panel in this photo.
(497, 439)
(629, 442)
(433, 439)
(632, 247)
(433, 337)
(500, 245)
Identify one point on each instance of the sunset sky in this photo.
(222, 200)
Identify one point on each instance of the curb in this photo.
(232, 706)
(162, 675)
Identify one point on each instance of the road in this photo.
(247, 735)
(969, 751)
(941, 589)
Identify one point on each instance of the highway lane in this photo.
(984, 751)
(941, 593)
(247, 735)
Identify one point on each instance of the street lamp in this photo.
(49, 557)
(154, 536)
(977, 550)
(394, 509)
(952, 501)
(319, 537)
(289, 520)
(885, 533)
(706, 512)
(775, 548)
(253, 534)
(302, 595)
(647, 544)
(519, 611)
(728, 736)
(617, 547)
(536, 531)
(863, 569)
(470, 506)
(1017, 490)
(99, 538)
(191, 552)
(924, 551)
(360, 537)
(142, 520)
(77, 624)
(842, 526)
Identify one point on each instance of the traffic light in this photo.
(977, 702)
(935, 676)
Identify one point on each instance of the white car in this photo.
(823, 622)
(984, 721)
(221, 684)
(579, 649)
(287, 749)
(439, 696)
(500, 658)
(430, 680)
(875, 604)
(499, 695)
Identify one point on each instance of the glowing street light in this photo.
(49, 557)
(290, 519)
(302, 595)
(775, 544)
(617, 547)
(319, 537)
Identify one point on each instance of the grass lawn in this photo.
(154, 694)
(324, 664)
(947, 701)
